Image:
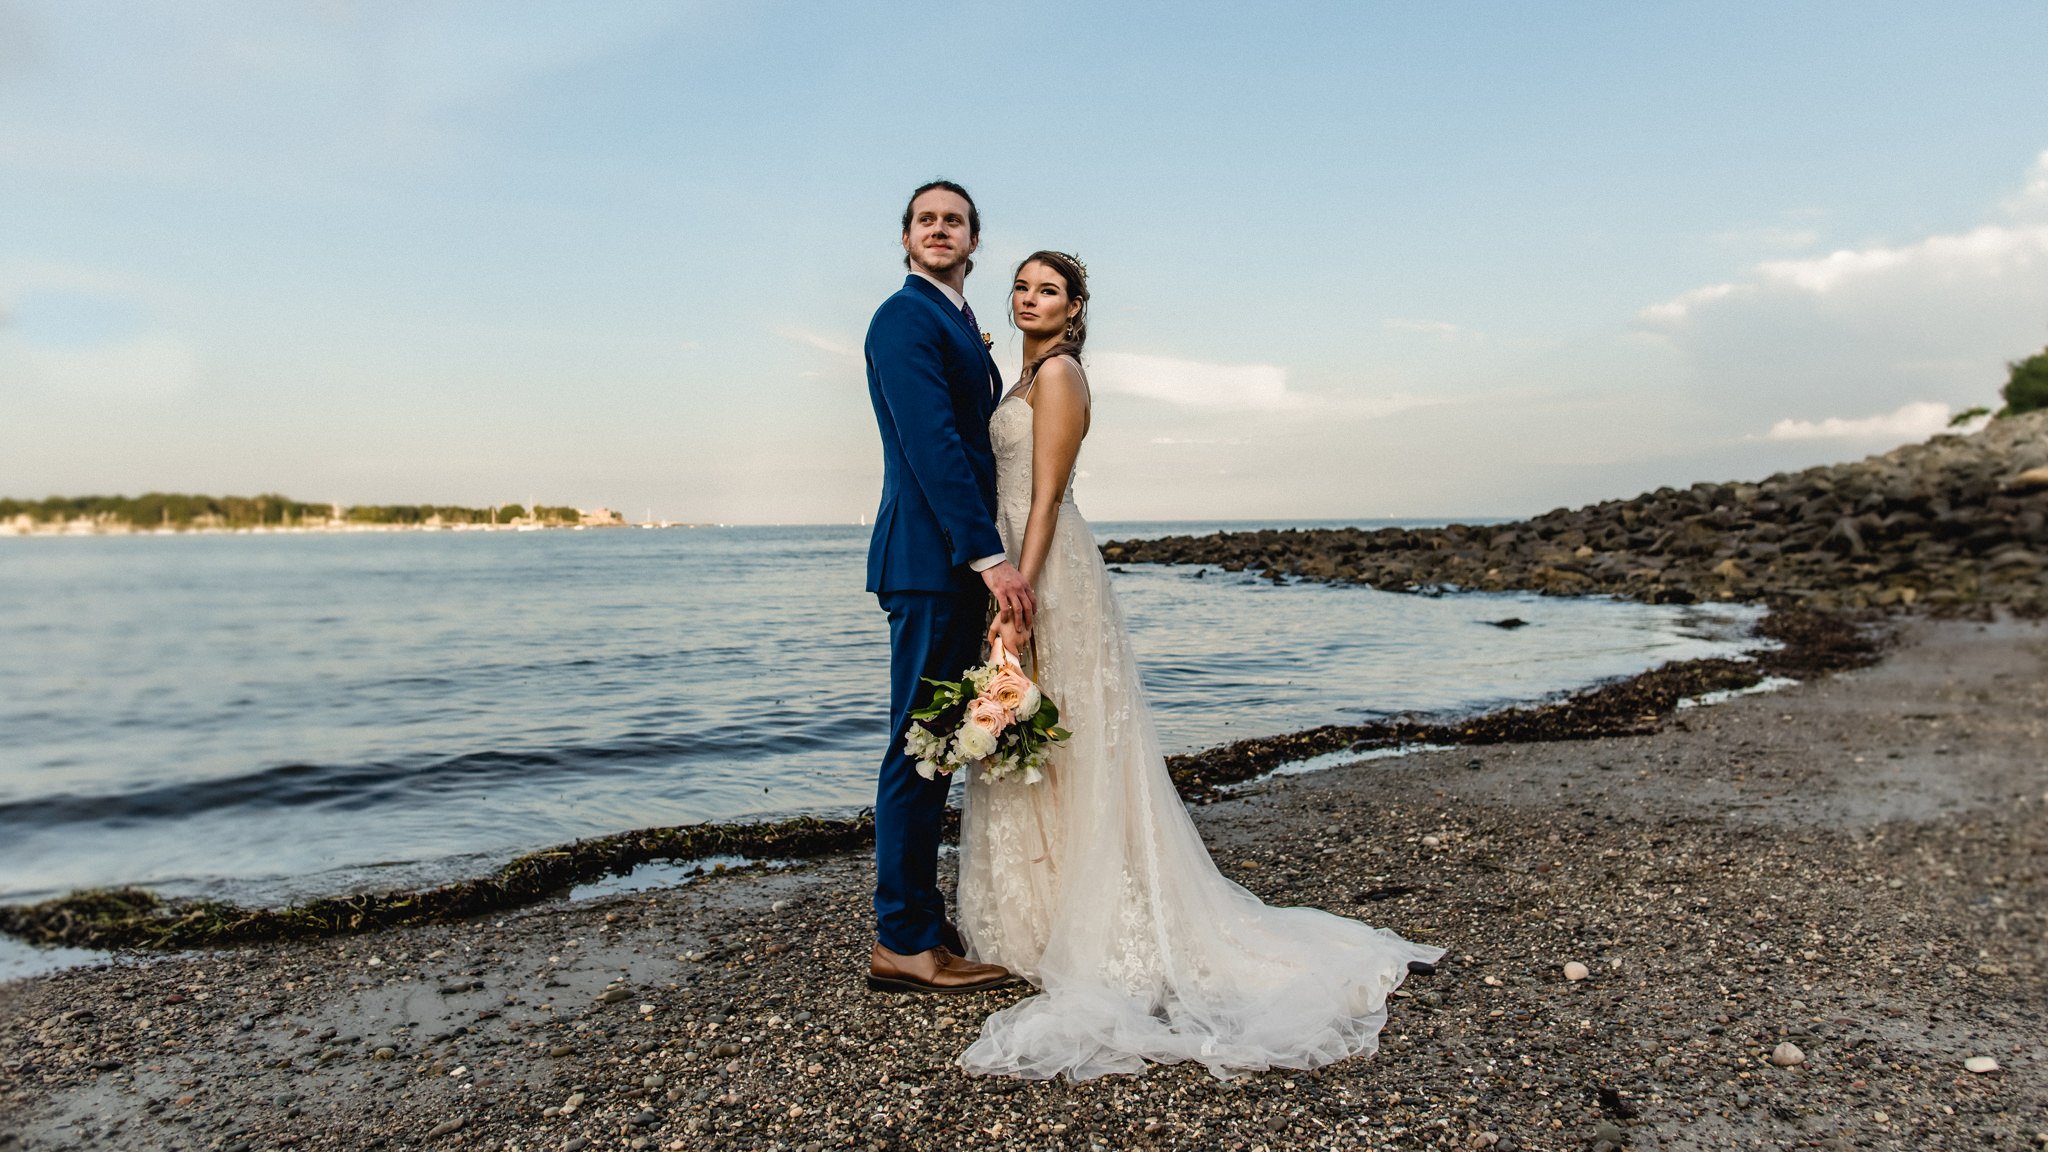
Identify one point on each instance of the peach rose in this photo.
(989, 714)
(1008, 687)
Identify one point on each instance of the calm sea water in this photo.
(268, 717)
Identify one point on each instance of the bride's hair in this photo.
(1075, 274)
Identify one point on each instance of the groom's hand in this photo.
(1011, 590)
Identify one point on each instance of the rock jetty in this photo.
(1958, 523)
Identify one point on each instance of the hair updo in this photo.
(1075, 274)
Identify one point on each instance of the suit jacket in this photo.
(934, 387)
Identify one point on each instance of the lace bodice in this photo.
(1009, 432)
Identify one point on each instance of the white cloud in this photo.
(1880, 327)
(827, 344)
(2032, 201)
(1681, 306)
(1990, 252)
(1261, 387)
(1915, 421)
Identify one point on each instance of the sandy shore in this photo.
(1855, 866)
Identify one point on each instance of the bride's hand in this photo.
(1013, 635)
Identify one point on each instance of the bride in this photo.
(1093, 884)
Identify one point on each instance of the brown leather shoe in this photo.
(935, 970)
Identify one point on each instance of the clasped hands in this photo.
(1015, 604)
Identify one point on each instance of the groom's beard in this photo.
(953, 257)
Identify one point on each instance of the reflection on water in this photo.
(275, 716)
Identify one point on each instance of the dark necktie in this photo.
(967, 310)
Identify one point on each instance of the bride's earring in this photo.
(1070, 329)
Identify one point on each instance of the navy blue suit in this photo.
(934, 386)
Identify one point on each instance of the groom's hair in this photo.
(973, 213)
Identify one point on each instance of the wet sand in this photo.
(1857, 866)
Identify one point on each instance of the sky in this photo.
(1348, 260)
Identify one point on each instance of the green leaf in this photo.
(1058, 734)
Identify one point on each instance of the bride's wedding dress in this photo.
(1094, 884)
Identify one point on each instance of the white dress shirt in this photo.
(953, 294)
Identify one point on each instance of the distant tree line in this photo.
(175, 510)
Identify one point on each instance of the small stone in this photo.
(386, 1053)
(561, 1050)
(574, 1102)
(1483, 1140)
(1787, 1055)
(1575, 971)
(652, 1080)
(1432, 842)
(778, 906)
(1881, 1117)
(445, 1127)
(576, 1144)
(2029, 479)
(644, 1120)
(614, 995)
(1610, 1132)
(723, 1051)
(1980, 1065)
(1491, 981)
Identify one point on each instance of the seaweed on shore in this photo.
(1813, 643)
(137, 919)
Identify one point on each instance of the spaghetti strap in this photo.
(1087, 397)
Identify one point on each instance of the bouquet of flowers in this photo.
(993, 716)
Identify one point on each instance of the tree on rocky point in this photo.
(2027, 388)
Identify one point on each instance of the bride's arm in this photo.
(1059, 419)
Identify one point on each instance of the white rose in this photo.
(927, 769)
(1028, 707)
(921, 743)
(976, 742)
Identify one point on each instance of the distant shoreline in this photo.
(169, 513)
(88, 528)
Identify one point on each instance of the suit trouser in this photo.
(935, 635)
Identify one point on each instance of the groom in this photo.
(934, 561)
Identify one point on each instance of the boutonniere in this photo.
(987, 341)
